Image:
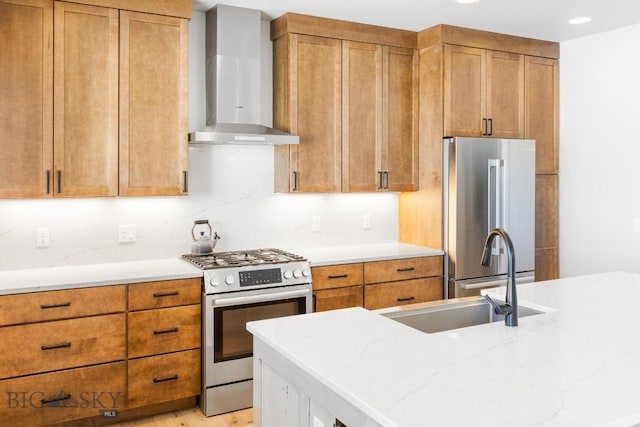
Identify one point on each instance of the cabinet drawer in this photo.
(71, 394)
(164, 330)
(336, 276)
(399, 293)
(163, 378)
(333, 299)
(168, 293)
(402, 269)
(62, 344)
(64, 304)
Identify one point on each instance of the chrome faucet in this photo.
(510, 308)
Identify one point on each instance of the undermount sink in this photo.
(449, 314)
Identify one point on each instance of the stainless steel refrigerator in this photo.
(487, 183)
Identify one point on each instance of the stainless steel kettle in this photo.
(204, 244)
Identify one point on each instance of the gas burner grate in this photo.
(241, 258)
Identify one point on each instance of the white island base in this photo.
(576, 366)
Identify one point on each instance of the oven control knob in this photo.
(306, 272)
(287, 274)
(214, 282)
(229, 280)
(297, 273)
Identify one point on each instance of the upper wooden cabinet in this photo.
(68, 145)
(153, 104)
(352, 101)
(307, 102)
(483, 93)
(26, 91)
(542, 111)
(86, 101)
(379, 140)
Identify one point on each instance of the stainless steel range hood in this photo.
(233, 67)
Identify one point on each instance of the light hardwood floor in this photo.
(193, 417)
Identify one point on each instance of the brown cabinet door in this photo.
(337, 276)
(26, 91)
(464, 91)
(62, 344)
(310, 102)
(402, 269)
(165, 293)
(392, 294)
(163, 330)
(163, 378)
(400, 119)
(541, 112)
(333, 299)
(505, 95)
(153, 104)
(546, 227)
(86, 101)
(361, 116)
(64, 396)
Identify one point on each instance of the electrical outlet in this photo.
(126, 233)
(366, 221)
(42, 237)
(315, 224)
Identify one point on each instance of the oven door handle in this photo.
(225, 302)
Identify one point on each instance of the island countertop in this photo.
(576, 365)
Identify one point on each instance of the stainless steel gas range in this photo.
(239, 287)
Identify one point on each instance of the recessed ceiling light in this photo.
(467, 1)
(580, 20)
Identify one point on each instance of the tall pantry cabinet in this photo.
(481, 84)
(93, 105)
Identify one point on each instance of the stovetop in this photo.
(241, 258)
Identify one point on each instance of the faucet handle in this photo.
(500, 309)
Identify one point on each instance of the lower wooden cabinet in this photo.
(378, 284)
(164, 330)
(333, 299)
(390, 294)
(164, 378)
(62, 344)
(38, 400)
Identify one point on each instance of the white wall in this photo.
(231, 186)
(600, 153)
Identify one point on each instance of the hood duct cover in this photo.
(233, 65)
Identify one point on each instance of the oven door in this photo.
(228, 355)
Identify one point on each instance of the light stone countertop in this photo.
(347, 254)
(68, 277)
(578, 365)
(80, 276)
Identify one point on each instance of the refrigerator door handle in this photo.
(495, 202)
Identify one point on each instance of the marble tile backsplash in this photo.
(231, 186)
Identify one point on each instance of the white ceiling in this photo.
(540, 19)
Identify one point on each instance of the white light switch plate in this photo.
(42, 237)
(126, 233)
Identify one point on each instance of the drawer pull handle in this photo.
(161, 380)
(46, 306)
(339, 276)
(166, 294)
(165, 331)
(56, 399)
(56, 346)
(402, 270)
(406, 299)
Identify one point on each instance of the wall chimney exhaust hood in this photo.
(233, 67)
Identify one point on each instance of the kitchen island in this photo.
(577, 364)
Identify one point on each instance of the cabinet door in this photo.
(316, 113)
(400, 119)
(26, 91)
(153, 104)
(392, 294)
(361, 116)
(86, 101)
(333, 299)
(505, 95)
(541, 112)
(464, 91)
(546, 227)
